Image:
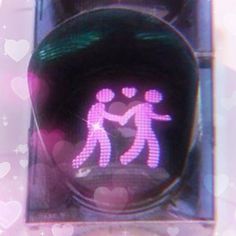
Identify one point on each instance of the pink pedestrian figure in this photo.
(96, 131)
(143, 116)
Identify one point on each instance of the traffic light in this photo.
(121, 126)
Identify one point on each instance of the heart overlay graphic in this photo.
(222, 181)
(129, 92)
(173, 231)
(5, 167)
(9, 213)
(23, 163)
(115, 199)
(20, 87)
(16, 50)
(62, 230)
(22, 148)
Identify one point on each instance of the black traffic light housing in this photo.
(131, 49)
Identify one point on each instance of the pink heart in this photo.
(38, 89)
(5, 167)
(127, 132)
(117, 108)
(9, 213)
(173, 231)
(16, 50)
(129, 92)
(20, 87)
(49, 139)
(115, 199)
(63, 150)
(62, 230)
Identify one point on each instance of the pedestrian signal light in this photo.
(119, 125)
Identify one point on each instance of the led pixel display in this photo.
(143, 114)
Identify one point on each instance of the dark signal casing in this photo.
(94, 45)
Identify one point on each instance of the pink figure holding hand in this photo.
(143, 116)
(96, 131)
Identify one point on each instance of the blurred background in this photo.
(16, 44)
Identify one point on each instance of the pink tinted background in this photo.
(16, 35)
